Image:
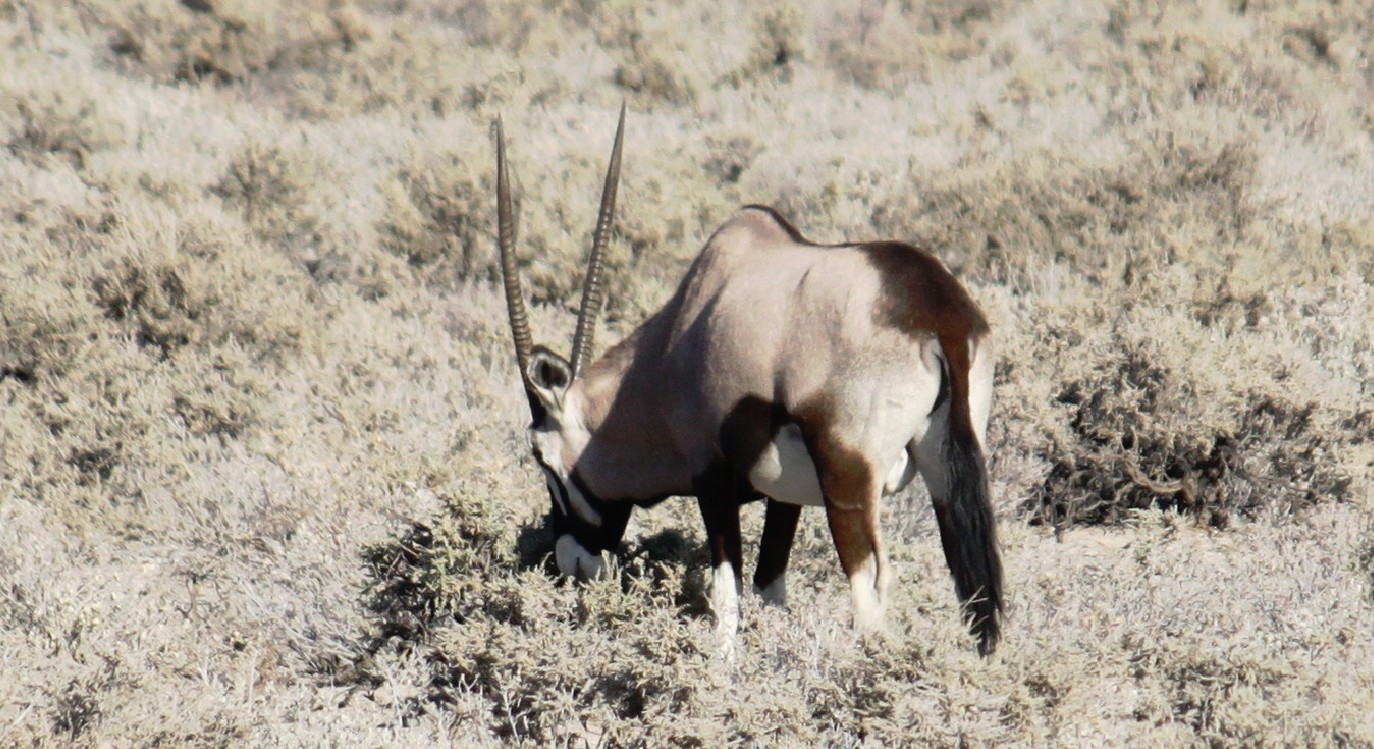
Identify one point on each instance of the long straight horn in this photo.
(515, 296)
(591, 285)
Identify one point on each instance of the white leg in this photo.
(725, 607)
(868, 588)
(725, 600)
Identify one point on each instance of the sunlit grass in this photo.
(262, 473)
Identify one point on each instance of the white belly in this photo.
(784, 471)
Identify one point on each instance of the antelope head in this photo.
(556, 430)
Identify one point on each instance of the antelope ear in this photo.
(549, 378)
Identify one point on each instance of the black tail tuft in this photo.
(968, 533)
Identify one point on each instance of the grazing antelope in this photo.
(806, 374)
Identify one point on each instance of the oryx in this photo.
(806, 374)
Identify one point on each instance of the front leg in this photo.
(775, 547)
(614, 517)
(718, 499)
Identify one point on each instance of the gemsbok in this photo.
(781, 369)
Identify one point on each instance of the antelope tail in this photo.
(967, 527)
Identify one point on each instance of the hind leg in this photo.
(852, 490)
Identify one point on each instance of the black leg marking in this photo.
(775, 546)
(718, 497)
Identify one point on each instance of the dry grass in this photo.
(262, 473)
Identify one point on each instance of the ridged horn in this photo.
(515, 295)
(590, 309)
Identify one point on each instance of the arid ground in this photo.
(263, 466)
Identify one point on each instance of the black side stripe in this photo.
(943, 395)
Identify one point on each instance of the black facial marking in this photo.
(539, 416)
(594, 538)
(559, 521)
(561, 501)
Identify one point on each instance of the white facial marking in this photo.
(557, 495)
(581, 506)
(784, 470)
(575, 561)
(549, 447)
(776, 592)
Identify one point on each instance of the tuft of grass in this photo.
(435, 216)
(57, 121)
(891, 45)
(423, 576)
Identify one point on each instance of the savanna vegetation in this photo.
(263, 477)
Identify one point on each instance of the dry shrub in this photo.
(780, 41)
(172, 281)
(424, 71)
(270, 185)
(647, 51)
(149, 338)
(520, 28)
(81, 706)
(646, 73)
(1161, 407)
(552, 662)
(1283, 62)
(1145, 434)
(44, 325)
(76, 711)
(437, 216)
(535, 651)
(55, 119)
(888, 45)
(1228, 692)
(1175, 198)
(248, 327)
(157, 300)
(430, 572)
(222, 42)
